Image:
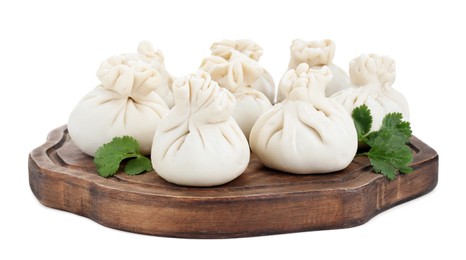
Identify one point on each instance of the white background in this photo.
(50, 50)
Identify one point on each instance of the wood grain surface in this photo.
(259, 202)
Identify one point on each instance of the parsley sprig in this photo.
(389, 152)
(109, 156)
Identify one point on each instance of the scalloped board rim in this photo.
(259, 202)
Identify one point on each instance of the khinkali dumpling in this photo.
(250, 105)
(247, 47)
(198, 143)
(307, 132)
(372, 77)
(237, 74)
(225, 49)
(125, 103)
(156, 60)
(317, 54)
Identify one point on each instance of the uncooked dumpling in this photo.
(125, 103)
(198, 143)
(225, 49)
(307, 132)
(156, 60)
(372, 77)
(250, 105)
(237, 74)
(247, 47)
(317, 54)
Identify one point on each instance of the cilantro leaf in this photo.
(109, 156)
(388, 161)
(387, 139)
(362, 120)
(394, 122)
(389, 153)
(138, 165)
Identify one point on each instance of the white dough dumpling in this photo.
(125, 103)
(156, 60)
(237, 74)
(198, 143)
(247, 47)
(250, 105)
(317, 54)
(307, 132)
(372, 77)
(263, 82)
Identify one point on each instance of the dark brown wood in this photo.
(259, 202)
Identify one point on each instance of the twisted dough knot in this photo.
(314, 53)
(372, 68)
(305, 80)
(225, 49)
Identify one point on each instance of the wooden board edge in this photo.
(387, 195)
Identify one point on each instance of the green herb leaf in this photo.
(393, 121)
(388, 152)
(387, 162)
(109, 156)
(138, 165)
(362, 120)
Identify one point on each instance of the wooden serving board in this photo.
(259, 202)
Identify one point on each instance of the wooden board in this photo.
(260, 202)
